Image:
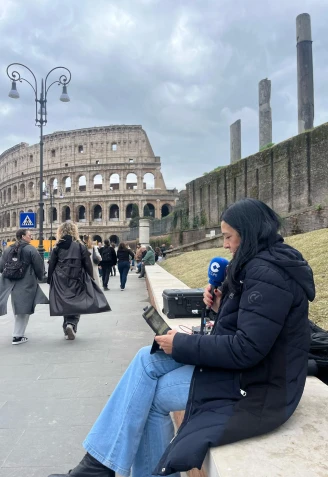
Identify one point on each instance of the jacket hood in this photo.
(292, 262)
(65, 242)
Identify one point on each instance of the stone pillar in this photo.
(265, 116)
(304, 73)
(144, 232)
(235, 141)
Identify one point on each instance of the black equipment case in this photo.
(186, 303)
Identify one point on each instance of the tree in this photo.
(146, 211)
(135, 211)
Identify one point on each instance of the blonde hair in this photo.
(68, 228)
(87, 240)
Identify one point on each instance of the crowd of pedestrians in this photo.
(76, 270)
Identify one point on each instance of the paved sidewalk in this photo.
(52, 390)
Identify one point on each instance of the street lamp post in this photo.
(49, 193)
(40, 117)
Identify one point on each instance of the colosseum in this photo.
(94, 175)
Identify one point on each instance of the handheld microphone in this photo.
(216, 276)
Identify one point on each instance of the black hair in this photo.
(20, 233)
(106, 243)
(258, 225)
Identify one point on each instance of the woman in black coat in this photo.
(246, 378)
(70, 276)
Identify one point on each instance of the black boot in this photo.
(88, 467)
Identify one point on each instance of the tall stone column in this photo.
(304, 73)
(235, 141)
(265, 116)
(144, 232)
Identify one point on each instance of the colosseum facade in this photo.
(96, 176)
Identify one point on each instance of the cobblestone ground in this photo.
(52, 390)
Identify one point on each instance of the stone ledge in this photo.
(298, 448)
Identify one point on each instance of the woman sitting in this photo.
(243, 380)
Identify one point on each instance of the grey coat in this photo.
(25, 293)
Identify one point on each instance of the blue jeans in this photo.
(135, 427)
(123, 268)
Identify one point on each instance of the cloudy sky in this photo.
(184, 69)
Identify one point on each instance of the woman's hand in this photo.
(208, 299)
(166, 341)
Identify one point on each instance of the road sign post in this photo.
(27, 220)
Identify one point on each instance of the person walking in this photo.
(123, 258)
(113, 268)
(243, 380)
(25, 291)
(108, 258)
(149, 259)
(94, 256)
(73, 291)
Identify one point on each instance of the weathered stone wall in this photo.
(71, 155)
(289, 177)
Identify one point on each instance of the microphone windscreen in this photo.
(216, 271)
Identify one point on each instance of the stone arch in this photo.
(22, 192)
(151, 210)
(114, 212)
(67, 183)
(9, 194)
(8, 219)
(114, 239)
(97, 213)
(1, 197)
(148, 181)
(66, 213)
(97, 182)
(81, 213)
(14, 220)
(82, 181)
(128, 212)
(131, 181)
(97, 238)
(166, 209)
(114, 182)
(31, 190)
(53, 214)
(5, 196)
(15, 191)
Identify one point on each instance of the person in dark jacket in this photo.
(25, 293)
(64, 274)
(108, 259)
(243, 380)
(124, 254)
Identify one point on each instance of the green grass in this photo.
(191, 268)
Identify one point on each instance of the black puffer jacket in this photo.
(250, 373)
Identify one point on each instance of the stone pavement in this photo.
(52, 390)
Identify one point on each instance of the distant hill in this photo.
(191, 268)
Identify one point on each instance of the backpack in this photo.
(14, 268)
(106, 254)
(319, 350)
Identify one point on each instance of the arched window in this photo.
(9, 194)
(131, 181)
(114, 212)
(82, 183)
(22, 192)
(97, 213)
(66, 213)
(14, 220)
(30, 189)
(81, 213)
(67, 184)
(114, 182)
(8, 220)
(97, 182)
(15, 193)
(97, 238)
(4, 197)
(54, 214)
(166, 210)
(149, 210)
(148, 181)
(132, 210)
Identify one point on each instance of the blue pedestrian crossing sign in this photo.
(27, 220)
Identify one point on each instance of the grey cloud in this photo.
(183, 69)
